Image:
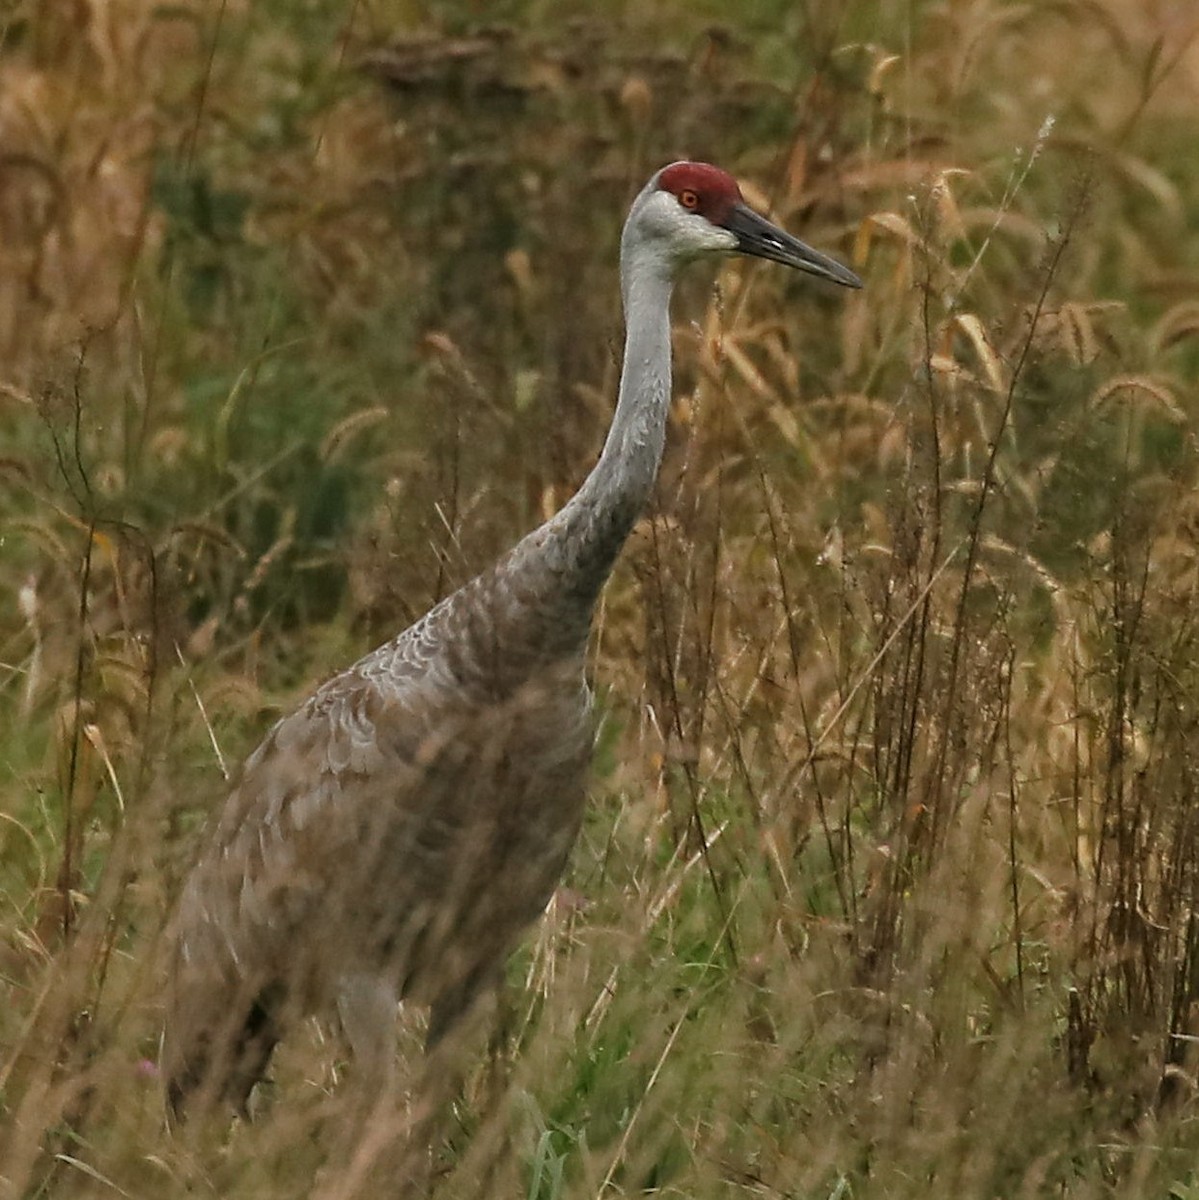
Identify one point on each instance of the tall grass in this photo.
(888, 884)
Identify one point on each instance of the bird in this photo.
(390, 840)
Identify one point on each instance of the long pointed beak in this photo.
(763, 239)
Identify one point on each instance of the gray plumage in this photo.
(392, 837)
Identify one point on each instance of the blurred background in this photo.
(890, 878)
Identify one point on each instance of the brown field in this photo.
(890, 881)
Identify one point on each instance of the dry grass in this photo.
(889, 885)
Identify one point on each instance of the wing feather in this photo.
(411, 816)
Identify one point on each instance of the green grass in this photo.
(886, 888)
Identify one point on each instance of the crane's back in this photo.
(404, 825)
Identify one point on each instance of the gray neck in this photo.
(616, 492)
(579, 546)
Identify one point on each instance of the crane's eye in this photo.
(689, 200)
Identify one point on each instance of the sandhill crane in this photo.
(392, 837)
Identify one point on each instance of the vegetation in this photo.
(890, 882)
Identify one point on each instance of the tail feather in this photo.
(215, 1056)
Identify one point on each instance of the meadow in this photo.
(889, 884)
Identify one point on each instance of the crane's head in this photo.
(691, 210)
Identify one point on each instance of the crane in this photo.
(392, 837)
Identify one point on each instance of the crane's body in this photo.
(392, 837)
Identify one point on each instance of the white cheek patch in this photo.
(685, 234)
(720, 239)
(695, 234)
